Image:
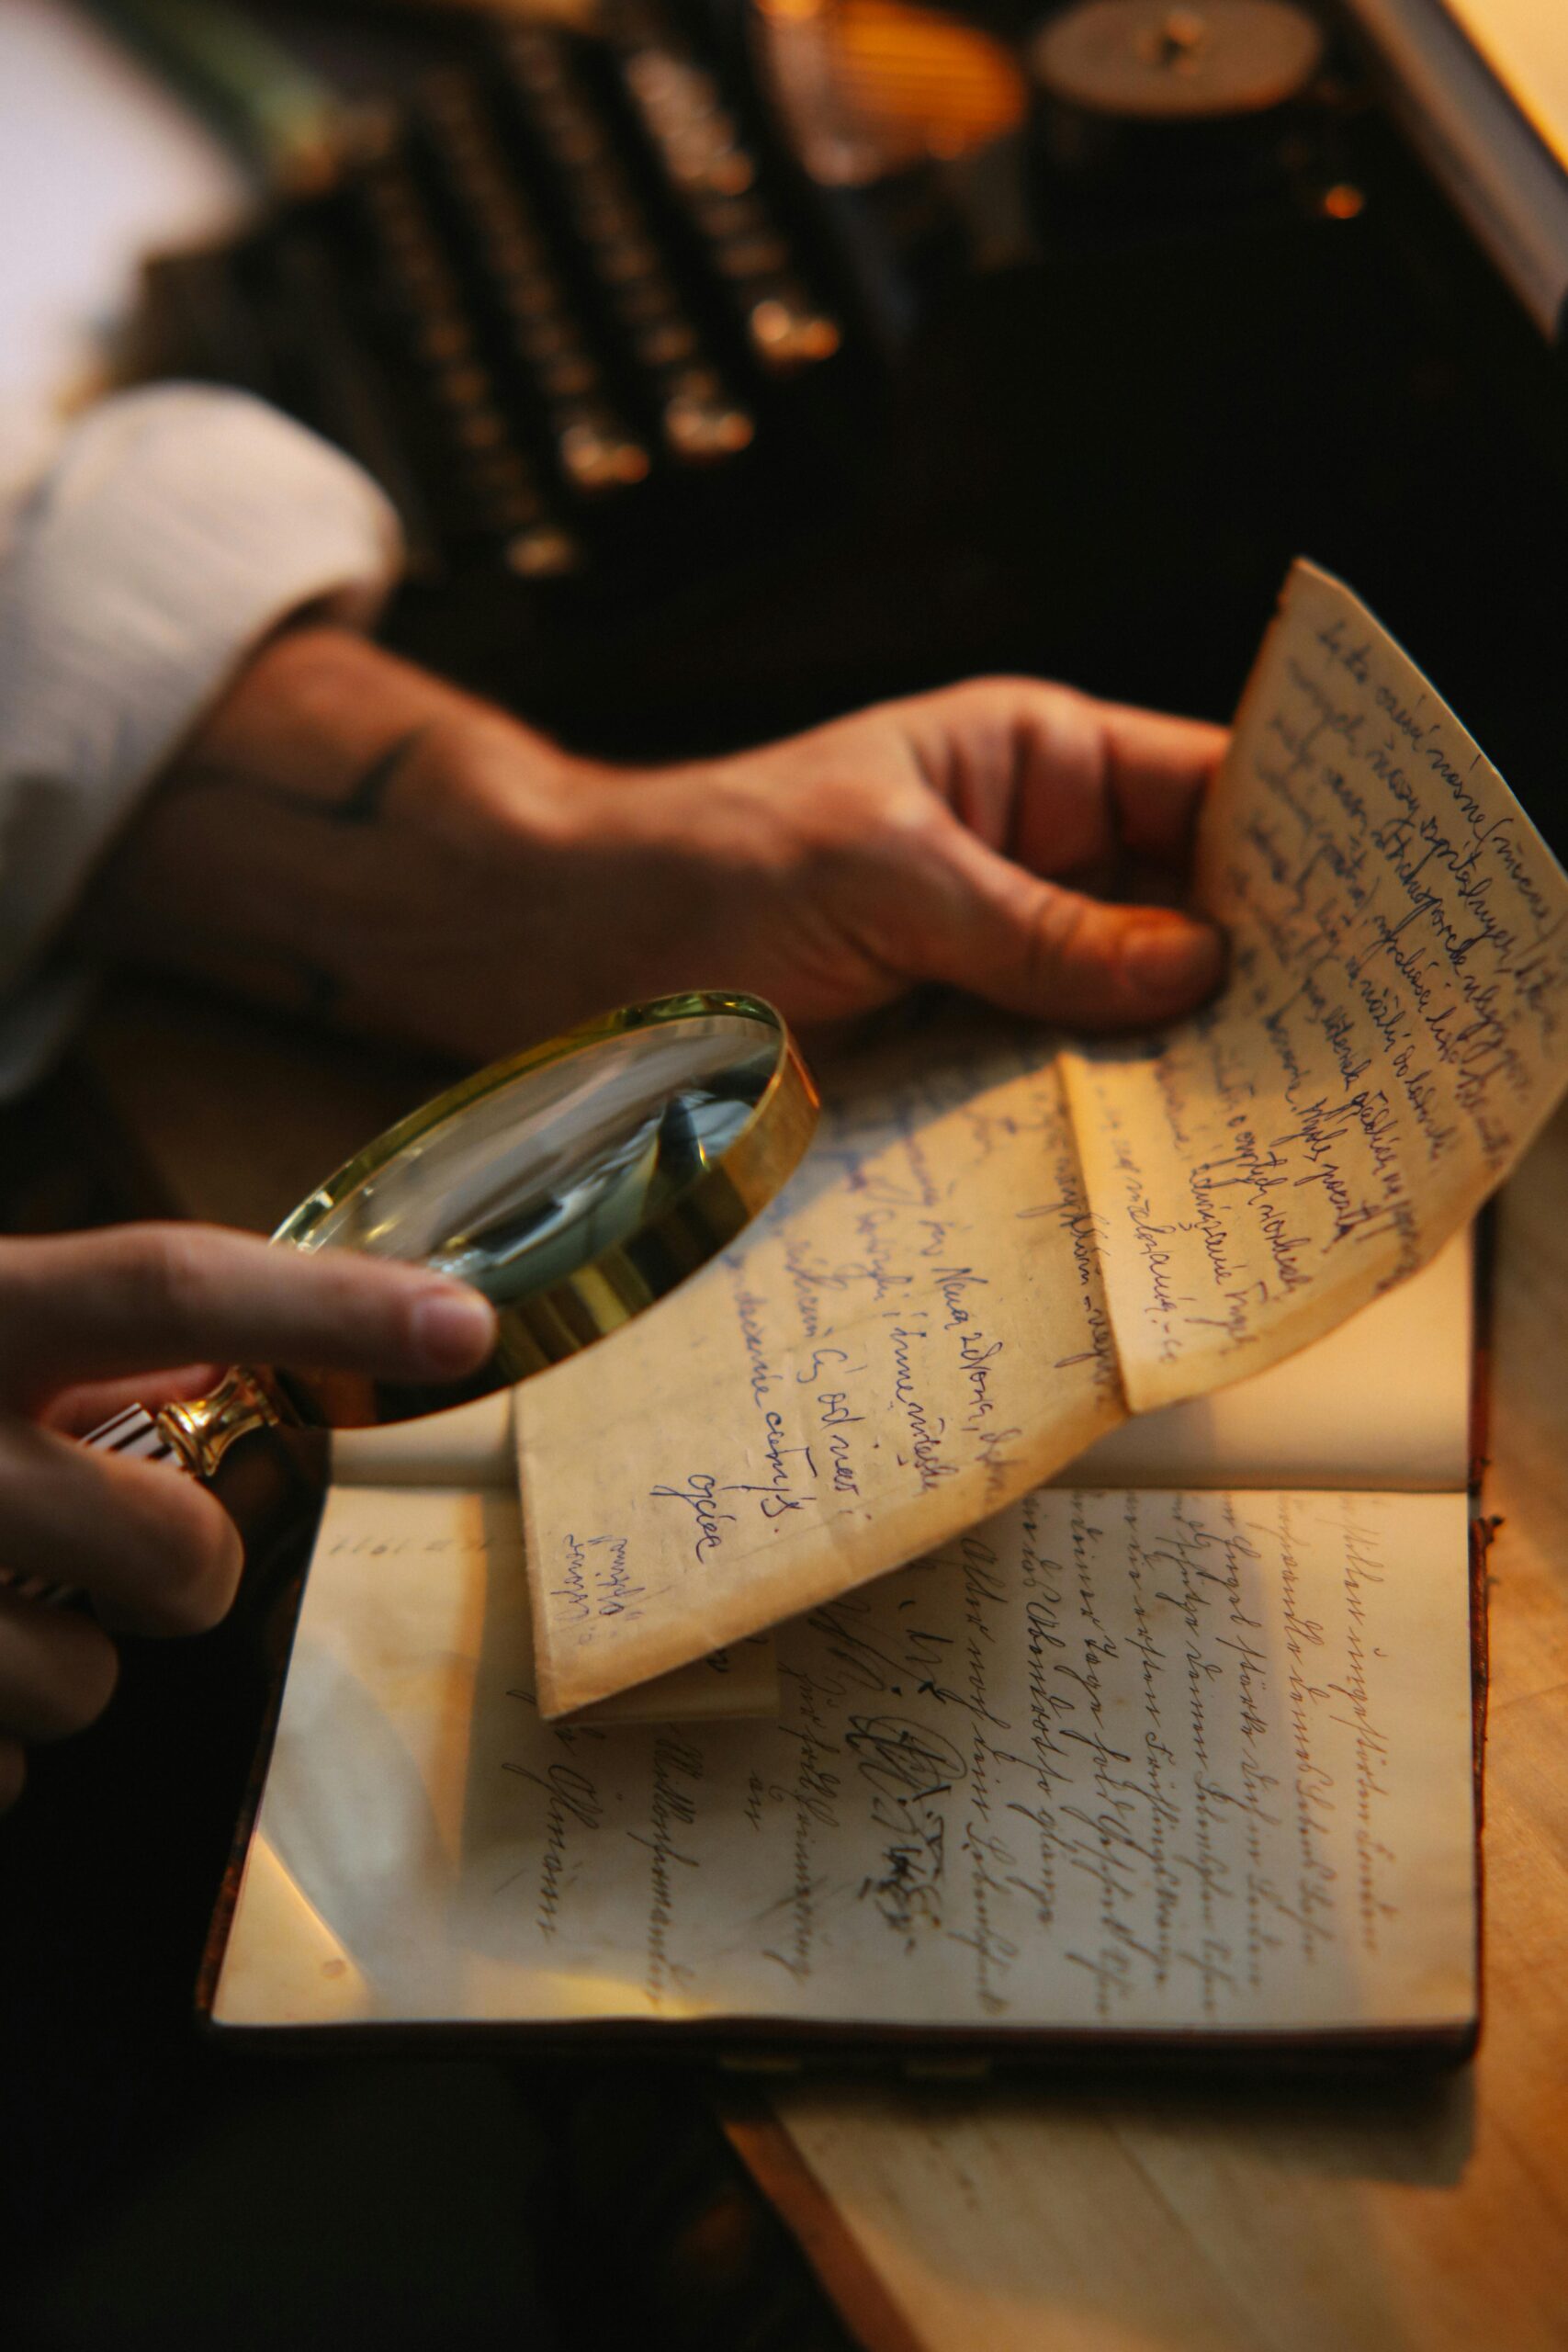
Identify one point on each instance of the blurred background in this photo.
(734, 361)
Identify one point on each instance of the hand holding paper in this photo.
(943, 1311)
(1394, 1031)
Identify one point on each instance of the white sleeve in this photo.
(177, 527)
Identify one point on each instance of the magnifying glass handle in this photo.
(136, 1435)
(197, 1432)
(192, 1436)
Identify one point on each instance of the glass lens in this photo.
(560, 1187)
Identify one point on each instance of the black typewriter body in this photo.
(692, 450)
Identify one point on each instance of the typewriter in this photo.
(734, 361)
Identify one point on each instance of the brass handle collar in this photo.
(202, 1429)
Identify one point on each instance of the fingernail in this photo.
(1173, 960)
(454, 1330)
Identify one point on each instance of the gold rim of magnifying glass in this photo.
(631, 1274)
(588, 1305)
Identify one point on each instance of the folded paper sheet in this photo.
(472, 1450)
(944, 1311)
(1394, 1031)
(917, 1337)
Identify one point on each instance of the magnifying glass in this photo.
(575, 1186)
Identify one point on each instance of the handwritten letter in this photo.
(1395, 1029)
(916, 1335)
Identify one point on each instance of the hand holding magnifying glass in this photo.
(153, 1553)
(519, 1218)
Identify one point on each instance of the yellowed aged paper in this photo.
(1391, 1034)
(1382, 1402)
(916, 1335)
(739, 1681)
(473, 1447)
(1109, 1762)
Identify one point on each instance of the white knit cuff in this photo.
(176, 529)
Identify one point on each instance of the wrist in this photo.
(313, 709)
(328, 835)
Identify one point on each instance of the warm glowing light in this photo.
(887, 81)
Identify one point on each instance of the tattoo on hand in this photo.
(362, 804)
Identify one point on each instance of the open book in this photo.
(1146, 1762)
(1181, 1748)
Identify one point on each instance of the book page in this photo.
(1111, 1763)
(915, 1335)
(1391, 1037)
(738, 1681)
(1383, 1401)
(474, 1446)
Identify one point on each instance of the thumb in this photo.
(1036, 948)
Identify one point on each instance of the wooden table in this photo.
(1080, 2214)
